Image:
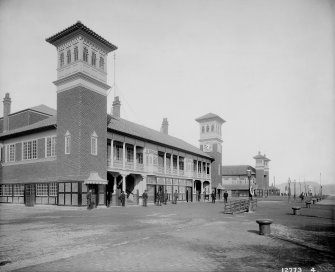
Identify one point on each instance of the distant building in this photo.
(235, 179)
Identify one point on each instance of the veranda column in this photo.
(134, 157)
(112, 153)
(124, 188)
(114, 199)
(178, 165)
(124, 156)
(202, 190)
(171, 163)
(165, 163)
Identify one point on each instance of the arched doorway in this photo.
(130, 190)
(109, 189)
(197, 189)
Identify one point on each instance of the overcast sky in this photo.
(266, 67)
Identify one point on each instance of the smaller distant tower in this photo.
(165, 126)
(262, 171)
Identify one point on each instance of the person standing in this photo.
(89, 199)
(175, 197)
(159, 197)
(166, 197)
(145, 198)
(122, 198)
(225, 196)
(213, 197)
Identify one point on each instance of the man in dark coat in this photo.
(175, 197)
(225, 196)
(159, 198)
(213, 197)
(122, 198)
(145, 198)
(89, 199)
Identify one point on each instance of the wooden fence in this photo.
(239, 206)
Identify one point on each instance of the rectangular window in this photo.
(68, 144)
(118, 152)
(130, 154)
(174, 162)
(94, 145)
(29, 150)
(181, 163)
(10, 153)
(42, 189)
(18, 189)
(6, 190)
(50, 146)
(139, 158)
(75, 53)
(53, 189)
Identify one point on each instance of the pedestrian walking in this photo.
(225, 196)
(213, 197)
(122, 198)
(166, 197)
(89, 199)
(145, 198)
(159, 197)
(175, 197)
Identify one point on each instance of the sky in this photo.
(264, 66)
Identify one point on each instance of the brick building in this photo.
(54, 157)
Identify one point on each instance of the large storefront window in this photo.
(41, 189)
(18, 190)
(6, 190)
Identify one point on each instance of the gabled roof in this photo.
(48, 122)
(78, 27)
(40, 109)
(210, 116)
(44, 109)
(237, 170)
(145, 133)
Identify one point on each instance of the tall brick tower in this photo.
(211, 143)
(262, 171)
(81, 103)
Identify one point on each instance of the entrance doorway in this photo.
(198, 189)
(189, 194)
(109, 189)
(29, 195)
(130, 190)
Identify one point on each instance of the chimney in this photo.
(6, 111)
(116, 107)
(165, 126)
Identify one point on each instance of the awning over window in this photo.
(94, 178)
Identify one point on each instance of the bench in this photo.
(264, 226)
(296, 210)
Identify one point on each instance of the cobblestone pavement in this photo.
(182, 237)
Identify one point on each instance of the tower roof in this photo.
(210, 116)
(260, 156)
(79, 27)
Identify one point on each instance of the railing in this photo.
(181, 173)
(160, 169)
(117, 164)
(140, 166)
(239, 206)
(129, 165)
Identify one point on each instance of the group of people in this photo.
(160, 198)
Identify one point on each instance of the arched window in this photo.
(68, 56)
(75, 53)
(212, 128)
(94, 144)
(203, 129)
(101, 63)
(61, 59)
(67, 142)
(93, 59)
(207, 128)
(85, 54)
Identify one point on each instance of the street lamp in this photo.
(249, 176)
(289, 189)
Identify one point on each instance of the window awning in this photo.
(94, 178)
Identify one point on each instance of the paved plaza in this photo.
(182, 237)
